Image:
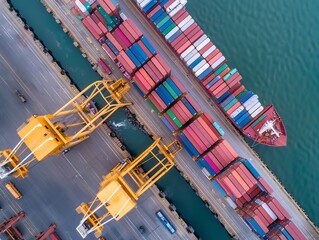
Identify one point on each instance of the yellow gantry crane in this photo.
(42, 136)
(121, 188)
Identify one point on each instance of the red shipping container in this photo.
(178, 39)
(119, 40)
(197, 139)
(100, 17)
(145, 49)
(105, 7)
(191, 28)
(265, 185)
(179, 114)
(143, 80)
(183, 42)
(215, 161)
(216, 85)
(238, 90)
(221, 92)
(169, 3)
(183, 108)
(213, 59)
(159, 66)
(90, 28)
(128, 60)
(151, 73)
(134, 27)
(111, 6)
(198, 145)
(203, 139)
(142, 84)
(178, 84)
(151, 13)
(162, 105)
(281, 209)
(155, 70)
(293, 227)
(147, 77)
(262, 218)
(223, 73)
(219, 88)
(190, 34)
(261, 224)
(125, 64)
(94, 26)
(237, 185)
(163, 63)
(196, 36)
(232, 77)
(206, 47)
(207, 79)
(178, 14)
(236, 81)
(168, 118)
(181, 18)
(130, 30)
(233, 108)
(108, 51)
(127, 34)
(114, 42)
(208, 129)
(266, 215)
(234, 191)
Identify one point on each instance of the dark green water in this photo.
(275, 46)
(177, 190)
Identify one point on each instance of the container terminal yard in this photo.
(232, 220)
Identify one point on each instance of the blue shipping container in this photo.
(287, 235)
(246, 114)
(227, 100)
(239, 115)
(204, 74)
(251, 169)
(197, 61)
(208, 168)
(189, 106)
(246, 97)
(165, 25)
(174, 87)
(113, 48)
(164, 95)
(163, 2)
(175, 35)
(160, 18)
(188, 145)
(167, 124)
(245, 121)
(138, 89)
(219, 188)
(256, 227)
(148, 45)
(149, 6)
(212, 82)
(157, 14)
(222, 97)
(139, 53)
(133, 58)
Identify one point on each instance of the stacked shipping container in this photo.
(205, 60)
(125, 44)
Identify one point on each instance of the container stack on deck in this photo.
(235, 178)
(209, 66)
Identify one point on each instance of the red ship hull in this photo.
(254, 129)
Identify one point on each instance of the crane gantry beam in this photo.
(121, 188)
(42, 136)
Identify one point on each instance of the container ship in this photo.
(209, 66)
(235, 178)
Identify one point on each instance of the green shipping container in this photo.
(168, 29)
(219, 70)
(240, 95)
(174, 118)
(152, 106)
(170, 90)
(106, 17)
(88, 6)
(161, 23)
(229, 105)
(258, 120)
(231, 73)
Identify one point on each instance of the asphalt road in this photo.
(56, 186)
(93, 49)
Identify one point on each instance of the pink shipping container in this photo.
(169, 3)
(147, 77)
(145, 49)
(281, 209)
(293, 227)
(198, 145)
(142, 85)
(143, 82)
(130, 30)
(182, 43)
(197, 130)
(211, 164)
(161, 105)
(197, 139)
(100, 17)
(177, 15)
(114, 42)
(108, 51)
(235, 82)
(119, 40)
(215, 160)
(178, 39)
(123, 37)
(128, 60)
(151, 73)
(90, 28)
(127, 33)
(105, 7)
(194, 27)
(159, 75)
(181, 18)
(265, 185)
(206, 47)
(183, 47)
(215, 58)
(159, 66)
(196, 36)
(127, 67)
(134, 27)
(163, 63)
(111, 6)
(223, 73)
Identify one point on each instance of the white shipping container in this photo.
(123, 16)
(171, 33)
(144, 3)
(269, 211)
(254, 108)
(250, 100)
(187, 51)
(203, 44)
(187, 25)
(182, 23)
(190, 55)
(218, 62)
(176, 10)
(253, 103)
(209, 51)
(237, 111)
(139, 2)
(202, 69)
(200, 40)
(81, 6)
(254, 114)
(192, 59)
(199, 65)
(206, 173)
(231, 202)
(172, 6)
